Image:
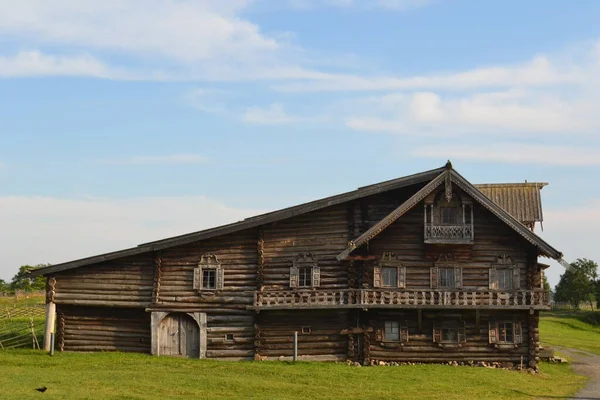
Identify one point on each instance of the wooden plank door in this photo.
(179, 336)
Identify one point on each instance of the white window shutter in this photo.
(403, 334)
(458, 277)
(492, 333)
(437, 334)
(493, 278)
(434, 277)
(316, 276)
(293, 277)
(198, 278)
(516, 277)
(518, 333)
(220, 278)
(377, 277)
(402, 277)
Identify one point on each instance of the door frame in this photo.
(156, 318)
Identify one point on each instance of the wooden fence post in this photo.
(50, 318)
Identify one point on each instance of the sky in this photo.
(126, 121)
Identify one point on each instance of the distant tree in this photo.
(3, 287)
(598, 294)
(547, 287)
(578, 283)
(23, 281)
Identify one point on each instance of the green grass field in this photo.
(574, 329)
(131, 376)
(134, 376)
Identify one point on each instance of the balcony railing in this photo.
(372, 298)
(448, 233)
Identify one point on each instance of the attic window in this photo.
(449, 215)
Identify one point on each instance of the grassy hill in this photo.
(574, 329)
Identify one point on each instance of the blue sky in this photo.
(127, 121)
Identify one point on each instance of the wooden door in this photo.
(179, 336)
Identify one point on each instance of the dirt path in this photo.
(587, 364)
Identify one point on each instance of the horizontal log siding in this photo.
(420, 346)
(103, 329)
(323, 342)
(120, 283)
(323, 233)
(226, 309)
(492, 239)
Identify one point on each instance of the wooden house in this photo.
(424, 268)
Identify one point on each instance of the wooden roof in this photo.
(430, 176)
(450, 174)
(521, 200)
(249, 222)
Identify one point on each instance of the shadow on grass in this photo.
(588, 317)
(532, 396)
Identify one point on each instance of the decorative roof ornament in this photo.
(448, 183)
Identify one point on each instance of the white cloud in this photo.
(44, 229)
(514, 153)
(574, 232)
(540, 71)
(514, 112)
(34, 63)
(164, 159)
(180, 30)
(274, 114)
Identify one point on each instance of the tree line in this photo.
(23, 282)
(579, 284)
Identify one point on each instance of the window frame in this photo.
(207, 264)
(305, 274)
(440, 330)
(451, 281)
(306, 263)
(454, 220)
(208, 275)
(495, 328)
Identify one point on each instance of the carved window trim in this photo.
(495, 333)
(208, 262)
(305, 261)
(449, 334)
(445, 261)
(389, 260)
(504, 263)
(385, 333)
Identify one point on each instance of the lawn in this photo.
(577, 330)
(132, 376)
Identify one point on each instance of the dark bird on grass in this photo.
(42, 389)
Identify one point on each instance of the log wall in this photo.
(103, 329)
(323, 233)
(421, 348)
(126, 282)
(323, 342)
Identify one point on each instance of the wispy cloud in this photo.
(164, 159)
(514, 153)
(273, 114)
(397, 5)
(35, 63)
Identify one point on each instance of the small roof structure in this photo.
(521, 200)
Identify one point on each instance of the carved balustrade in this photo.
(462, 233)
(376, 298)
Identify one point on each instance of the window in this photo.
(389, 272)
(447, 278)
(209, 279)
(449, 333)
(390, 276)
(209, 274)
(305, 277)
(305, 272)
(391, 332)
(504, 278)
(447, 274)
(505, 332)
(448, 215)
(306, 330)
(504, 274)
(229, 337)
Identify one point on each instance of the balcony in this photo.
(372, 298)
(449, 234)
